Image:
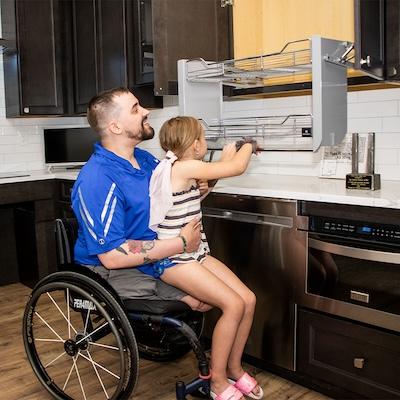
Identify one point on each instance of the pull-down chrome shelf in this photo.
(200, 95)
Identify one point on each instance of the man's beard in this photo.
(146, 133)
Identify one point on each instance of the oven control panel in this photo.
(357, 229)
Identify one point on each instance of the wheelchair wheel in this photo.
(161, 344)
(78, 339)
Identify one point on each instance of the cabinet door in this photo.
(350, 356)
(39, 41)
(378, 38)
(99, 41)
(187, 29)
(140, 42)
(370, 36)
(84, 46)
(111, 44)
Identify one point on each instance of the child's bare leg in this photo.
(219, 269)
(202, 284)
(195, 304)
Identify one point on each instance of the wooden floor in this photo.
(156, 380)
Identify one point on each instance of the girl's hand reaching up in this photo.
(228, 152)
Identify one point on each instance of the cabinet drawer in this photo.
(65, 189)
(360, 359)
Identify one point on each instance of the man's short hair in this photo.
(102, 105)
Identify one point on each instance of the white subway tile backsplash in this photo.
(364, 125)
(388, 172)
(387, 157)
(372, 109)
(22, 157)
(391, 124)
(387, 140)
(7, 149)
(379, 95)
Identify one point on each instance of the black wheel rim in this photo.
(68, 343)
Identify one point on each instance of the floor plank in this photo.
(156, 380)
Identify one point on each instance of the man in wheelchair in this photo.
(111, 202)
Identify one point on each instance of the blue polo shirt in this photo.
(111, 202)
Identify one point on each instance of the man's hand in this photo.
(191, 233)
(203, 186)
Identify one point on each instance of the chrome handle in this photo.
(366, 61)
(250, 218)
(354, 252)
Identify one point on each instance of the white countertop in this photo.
(310, 188)
(27, 176)
(278, 186)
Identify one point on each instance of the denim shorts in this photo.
(157, 268)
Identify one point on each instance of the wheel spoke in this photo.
(86, 322)
(67, 319)
(51, 362)
(91, 333)
(70, 372)
(43, 320)
(104, 345)
(100, 366)
(49, 340)
(98, 375)
(69, 315)
(79, 377)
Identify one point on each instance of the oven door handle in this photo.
(354, 252)
(247, 217)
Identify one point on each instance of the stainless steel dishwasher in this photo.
(257, 238)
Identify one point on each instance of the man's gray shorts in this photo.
(130, 283)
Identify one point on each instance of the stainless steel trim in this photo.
(251, 218)
(354, 252)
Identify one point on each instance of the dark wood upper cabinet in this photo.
(99, 45)
(110, 45)
(84, 49)
(67, 51)
(188, 29)
(377, 38)
(33, 67)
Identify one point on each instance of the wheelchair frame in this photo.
(92, 333)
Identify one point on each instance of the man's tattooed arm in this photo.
(139, 247)
(122, 250)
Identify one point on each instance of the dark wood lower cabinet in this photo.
(63, 199)
(27, 251)
(357, 358)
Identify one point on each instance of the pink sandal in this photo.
(230, 393)
(246, 384)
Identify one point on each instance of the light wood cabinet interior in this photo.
(265, 26)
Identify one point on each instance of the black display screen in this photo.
(68, 145)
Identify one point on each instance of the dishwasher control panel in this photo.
(369, 231)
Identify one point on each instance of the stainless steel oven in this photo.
(353, 262)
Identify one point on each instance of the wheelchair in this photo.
(83, 341)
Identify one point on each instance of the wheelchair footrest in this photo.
(199, 388)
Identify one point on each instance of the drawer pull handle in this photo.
(359, 296)
(359, 363)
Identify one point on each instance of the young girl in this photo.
(175, 200)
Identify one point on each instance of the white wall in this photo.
(21, 139)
